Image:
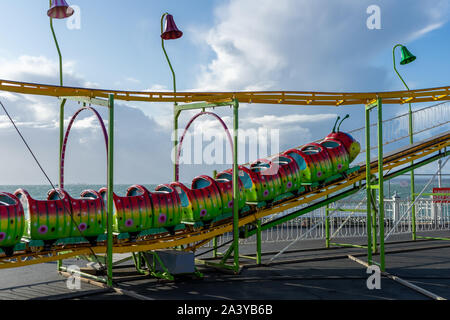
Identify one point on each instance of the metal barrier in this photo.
(430, 216)
(396, 129)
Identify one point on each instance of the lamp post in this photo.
(59, 9)
(171, 32)
(408, 57)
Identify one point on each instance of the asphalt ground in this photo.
(307, 271)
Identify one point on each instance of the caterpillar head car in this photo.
(351, 145)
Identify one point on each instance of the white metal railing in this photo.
(397, 128)
(430, 216)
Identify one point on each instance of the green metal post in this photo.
(368, 190)
(109, 250)
(258, 242)
(374, 222)
(215, 238)
(63, 102)
(175, 142)
(411, 141)
(61, 108)
(381, 183)
(215, 255)
(235, 186)
(61, 139)
(58, 49)
(327, 225)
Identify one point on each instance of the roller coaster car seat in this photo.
(338, 155)
(224, 181)
(313, 161)
(12, 222)
(132, 213)
(48, 220)
(88, 213)
(202, 202)
(289, 173)
(265, 181)
(162, 206)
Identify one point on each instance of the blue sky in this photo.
(227, 45)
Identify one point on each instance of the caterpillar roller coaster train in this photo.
(173, 206)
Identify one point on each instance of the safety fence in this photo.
(397, 128)
(346, 223)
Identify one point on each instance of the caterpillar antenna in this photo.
(346, 117)
(334, 128)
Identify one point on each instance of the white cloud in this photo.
(9, 96)
(158, 88)
(90, 84)
(425, 30)
(308, 45)
(26, 68)
(133, 80)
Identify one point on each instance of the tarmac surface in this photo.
(308, 271)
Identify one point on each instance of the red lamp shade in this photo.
(60, 10)
(171, 31)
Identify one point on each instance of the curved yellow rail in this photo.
(262, 97)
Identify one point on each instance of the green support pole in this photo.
(215, 255)
(368, 190)
(215, 238)
(175, 142)
(59, 51)
(61, 108)
(235, 186)
(411, 141)
(258, 242)
(109, 250)
(63, 102)
(61, 139)
(374, 222)
(381, 183)
(327, 225)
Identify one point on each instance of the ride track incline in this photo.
(200, 236)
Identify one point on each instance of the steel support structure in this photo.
(371, 187)
(203, 106)
(110, 183)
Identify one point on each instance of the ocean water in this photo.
(39, 192)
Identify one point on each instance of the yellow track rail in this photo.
(185, 237)
(264, 97)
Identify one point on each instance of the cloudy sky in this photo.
(317, 45)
